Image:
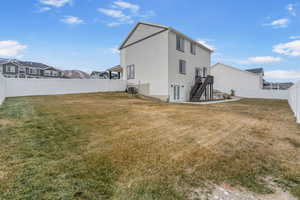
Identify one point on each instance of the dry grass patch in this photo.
(117, 146)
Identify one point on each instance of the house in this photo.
(247, 83)
(99, 75)
(277, 86)
(20, 69)
(164, 63)
(75, 74)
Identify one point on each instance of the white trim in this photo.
(168, 28)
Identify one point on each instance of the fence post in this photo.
(298, 101)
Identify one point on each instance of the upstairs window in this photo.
(130, 72)
(182, 67)
(204, 71)
(47, 73)
(179, 43)
(193, 48)
(32, 71)
(22, 69)
(11, 69)
(54, 73)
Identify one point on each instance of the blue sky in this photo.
(85, 34)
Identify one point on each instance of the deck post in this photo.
(109, 74)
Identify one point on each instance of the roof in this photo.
(33, 64)
(27, 64)
(76, 74)
(4, 61)
(166, 28)
(117, 68)
(256, 70)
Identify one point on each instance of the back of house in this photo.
(162, 62)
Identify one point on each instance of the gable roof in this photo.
(33, 64)
(256, 70)
(163, 29)
(26, 64)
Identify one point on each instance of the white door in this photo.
(177, 93)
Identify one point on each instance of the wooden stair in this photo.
(203, 89)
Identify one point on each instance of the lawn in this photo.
(119, 146)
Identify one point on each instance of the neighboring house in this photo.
(248, 83)
(76, 74)
(166, 64)
(229, 78)
(277, 86)
(260, 72)
(21, 69)
(111, 73)
(99, 75)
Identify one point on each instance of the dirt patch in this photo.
(4, 122)
(226, 192)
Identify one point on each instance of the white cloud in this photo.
(55, 3)
(257, 60)
(279, 23)
(205, 43)
(291, 9)
(113, 24)
(148, 14)
(289, 48)
(282, 74)
(264, 59)
(44, 9)
(114, 50)
(9, 48)
(294, 37)
(72, 20)
(118, 14)
(124, 13)
(126, 5)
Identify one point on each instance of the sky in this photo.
(86, 34)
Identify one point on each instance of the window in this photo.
(193, 48)
(22, 69)
(204, 71)
(47, 72)
(130, 72)
(179, 43)
(32, 71)
(198, 72)
(182, 66)
(54, 73)
(11, 69)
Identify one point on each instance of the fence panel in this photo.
(294, 100)
(13, 87)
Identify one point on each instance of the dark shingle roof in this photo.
(24, 63)
(3, 61)
(33, 64)
(256, 70)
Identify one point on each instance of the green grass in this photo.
(115, 146)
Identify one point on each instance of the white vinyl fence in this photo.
(13, 87)
(2, 89)
(261, 93)
(294, 100)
